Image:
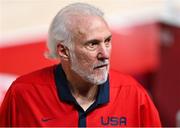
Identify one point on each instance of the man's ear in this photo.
(63, 51)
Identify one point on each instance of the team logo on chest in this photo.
(113, 121)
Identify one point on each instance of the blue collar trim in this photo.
(65, 94)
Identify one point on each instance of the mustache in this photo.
(101, 64)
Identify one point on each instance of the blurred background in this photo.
(146, 44)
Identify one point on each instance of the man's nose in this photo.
(103, 52)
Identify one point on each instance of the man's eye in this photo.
(92, 45)
(108, 41)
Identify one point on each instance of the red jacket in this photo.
(42, 98)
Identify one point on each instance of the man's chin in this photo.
(98, 81)
(95, 78)
(101, 78)
(101, 82)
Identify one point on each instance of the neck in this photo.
(84, 91)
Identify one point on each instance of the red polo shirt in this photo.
(42, 98)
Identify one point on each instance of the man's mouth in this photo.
(101, 66)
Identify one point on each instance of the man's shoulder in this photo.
(31, 85)
(42, 76)
(121, 78)
(125, 83)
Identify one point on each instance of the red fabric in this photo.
(32, 100)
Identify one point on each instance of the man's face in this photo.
(91, 50)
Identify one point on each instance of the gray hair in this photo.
(59, 30)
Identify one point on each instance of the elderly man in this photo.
(80, 91)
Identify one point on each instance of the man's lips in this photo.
(101, 66)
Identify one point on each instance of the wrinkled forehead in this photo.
(84, 26)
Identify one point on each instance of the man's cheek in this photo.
(86, 60)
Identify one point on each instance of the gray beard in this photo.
(87, 76)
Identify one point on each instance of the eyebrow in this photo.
(96, 40)
(93, 41)
(109, 37)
